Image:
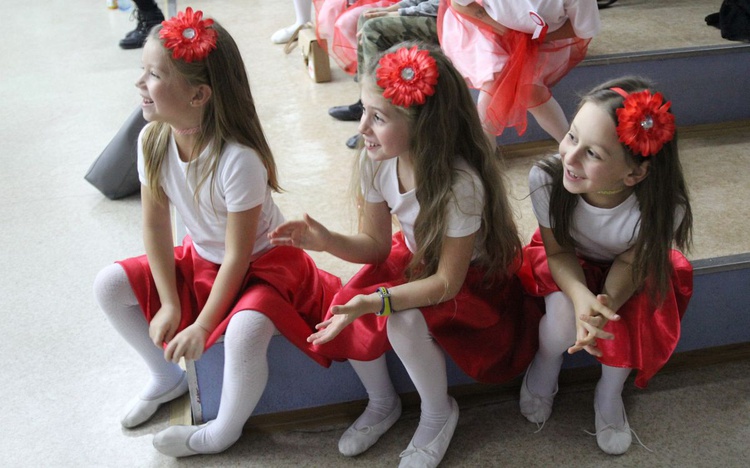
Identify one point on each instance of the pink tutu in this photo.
(336, 23)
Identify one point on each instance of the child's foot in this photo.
(612, 438)
(144, 409)
(283, 35)
(535, 408)
(365, 431)
(430, 455)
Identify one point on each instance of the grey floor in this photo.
(66, 88)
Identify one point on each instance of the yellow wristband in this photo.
(385, 297)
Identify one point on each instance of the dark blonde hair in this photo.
(659, 195)
(444, 129)
(229, 114)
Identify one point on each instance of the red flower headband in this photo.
(408, 76)
(645, 123)
(189, 36)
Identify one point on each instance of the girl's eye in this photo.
(593, 154)
(154, 74)
(377, 117)
(571, 137)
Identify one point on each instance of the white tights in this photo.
(557, 332)
(425, 363)
(245, 358)
(549, 115)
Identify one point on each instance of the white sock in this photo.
(382, 396)
(551, 118)
(425, 363)
(608, 394)
(557, 333)
(245, 376)
(116, 298)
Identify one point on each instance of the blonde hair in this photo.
(444, 129)
(229, 114)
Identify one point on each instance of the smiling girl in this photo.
(204, 152)
(444, 281)
(610, 208)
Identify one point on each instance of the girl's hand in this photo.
(304, 234)
(590, 326)
(188, 343)
(164, 325)
(343, 315)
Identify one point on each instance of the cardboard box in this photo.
(315, 56)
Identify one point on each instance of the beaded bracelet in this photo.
(385, 297)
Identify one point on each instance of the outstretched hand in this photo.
(590, 325)
(343, 315)
(306, 233)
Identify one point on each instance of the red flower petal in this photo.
(408, 76)
(645, 123)
(188, 35)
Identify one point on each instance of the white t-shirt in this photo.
(241, 183)
(517, 14)
(600, 234)
(380, 183)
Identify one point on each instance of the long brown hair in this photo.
(660, 195)
(229, 115)
(444, 129)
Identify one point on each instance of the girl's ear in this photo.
(637, 174)
(202, 95)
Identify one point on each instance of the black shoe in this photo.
(353, 142)
(351, 112)
(146, 20)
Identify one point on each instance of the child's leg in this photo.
(425, 363)
(383, 398)
(609, 394)
(557, 332)
(382, 412)
(551, 118)
(612, 429)
(117, 300)
(302, 11)
(245, 376)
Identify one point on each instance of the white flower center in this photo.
(188, 33)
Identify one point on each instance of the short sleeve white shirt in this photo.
(517, 14)
(380, 184)
(241, 183)
(600, 234)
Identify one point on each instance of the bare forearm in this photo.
(357, 248)
(619, 284)
(160, 253)
(224, 293)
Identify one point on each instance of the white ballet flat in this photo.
(432, 454)
(535, 408)
(143, 410)
(611, 439)
(355, 441)
(173, 441)
(283, 35)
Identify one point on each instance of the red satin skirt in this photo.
(516, 71)
(336, 23)
(284, 284)
(490, 332)
(646, 335)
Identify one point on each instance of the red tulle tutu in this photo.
(491, 333)
(646, 335)
(516, 71)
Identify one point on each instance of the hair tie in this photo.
(408, 76)
(188, 36)
(644, 121)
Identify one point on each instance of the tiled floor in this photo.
(66, 88)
